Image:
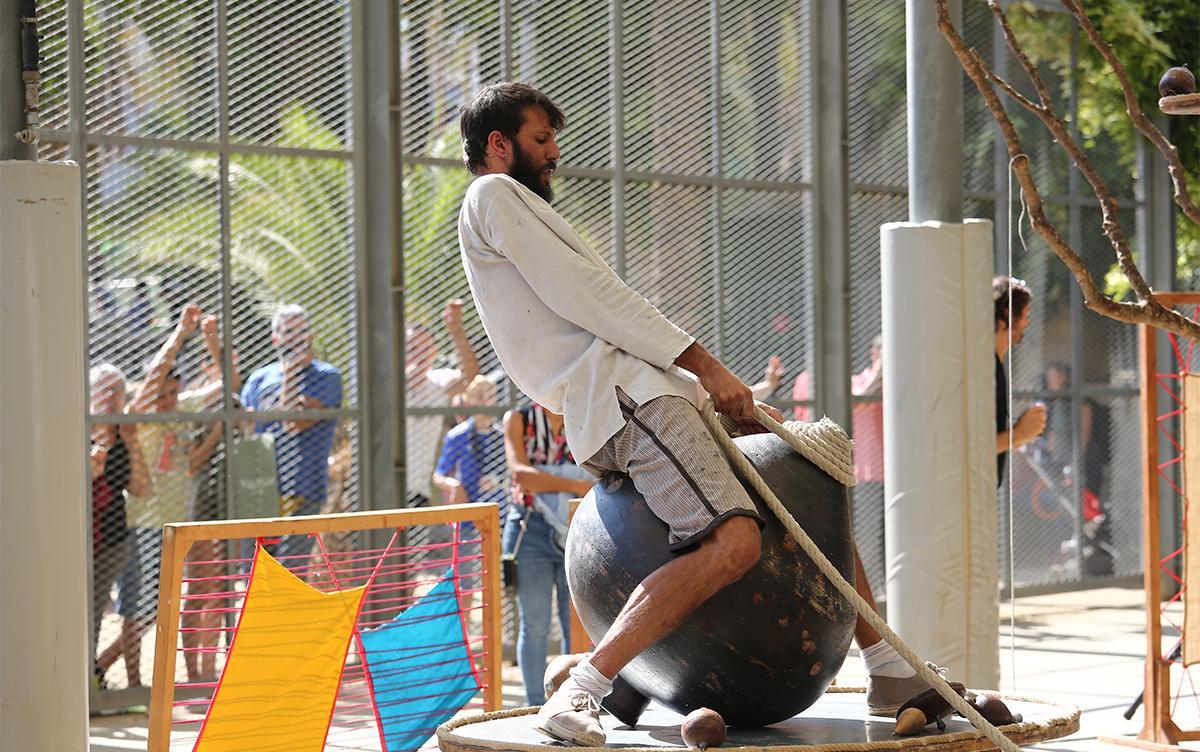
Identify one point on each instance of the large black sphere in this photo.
(761, 650)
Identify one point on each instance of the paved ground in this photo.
(1084, 648)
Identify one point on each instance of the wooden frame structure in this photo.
(1159, 730)
(178, 538)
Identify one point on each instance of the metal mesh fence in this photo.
(221, 266)
(1061, 482)
(218, 144)
(869, 210)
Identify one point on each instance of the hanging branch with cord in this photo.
(1145, 309)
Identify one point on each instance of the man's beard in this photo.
(530, 175)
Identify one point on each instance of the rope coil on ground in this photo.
(810, 440)
(452, 739)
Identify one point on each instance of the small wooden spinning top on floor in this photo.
(703, 728)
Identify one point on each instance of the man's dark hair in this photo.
(500, 107)
(1021, 298)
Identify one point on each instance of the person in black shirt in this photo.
(1033, 421)
(114, 456)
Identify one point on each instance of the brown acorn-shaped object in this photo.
(558, 670)
(1176, 81)
(994, 711)
(924, 708)
(703, 728)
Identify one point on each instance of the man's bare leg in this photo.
(864, 635)
(657, 606)
(890, 680)
(673, 591)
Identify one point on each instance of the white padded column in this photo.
(939, 444)
(44, 662)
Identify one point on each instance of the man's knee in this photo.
(738, 544)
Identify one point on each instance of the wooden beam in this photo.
(162, 688)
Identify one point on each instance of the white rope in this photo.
(747, 471)
(823, 443)
(1009, 465)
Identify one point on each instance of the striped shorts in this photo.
(677, 466)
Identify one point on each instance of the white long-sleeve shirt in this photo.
(566, 328)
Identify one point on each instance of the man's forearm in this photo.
(156, 373)
(696, 359)
(466, 354)
(1018, 441)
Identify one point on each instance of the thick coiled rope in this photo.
(804, 441)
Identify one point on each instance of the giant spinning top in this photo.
(761, 650)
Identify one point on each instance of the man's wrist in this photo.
(697, 359)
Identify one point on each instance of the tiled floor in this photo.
(1083, 648)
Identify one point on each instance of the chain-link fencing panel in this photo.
(1109, 352)
(766, 102)
(53, 47)
(876, 93)
(868, 211)
(565, 50)
(448, 50)
(877, 101)
(766, 281)
(218, 277)
(286, 61)
(979, 129)
(670, 250)
(151, 69)
(667, 70)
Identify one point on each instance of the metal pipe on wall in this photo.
(13, 56)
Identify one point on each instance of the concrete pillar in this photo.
(940, 444)
(44, 662)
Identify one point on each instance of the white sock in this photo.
(591, 680)
(881, 659)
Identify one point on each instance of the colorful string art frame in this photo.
(366, 632)
(1170, 397)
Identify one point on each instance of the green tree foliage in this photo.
(290, 231)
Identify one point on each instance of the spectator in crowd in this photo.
(802, 392)
(1054, 451)
(866, 417)
(1033, 421)
(200, 623)
(544, 479)
(427, 386)
(297, 381)
(770, 380)
(117, 466)
(470, 467)
(164, 445)
(340, 499)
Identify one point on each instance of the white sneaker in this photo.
(571, 715)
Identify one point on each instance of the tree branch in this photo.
(1182, 198)
(1108, 204)
(1147, 309)
(1006, 87)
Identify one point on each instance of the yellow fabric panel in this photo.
(279, 686)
